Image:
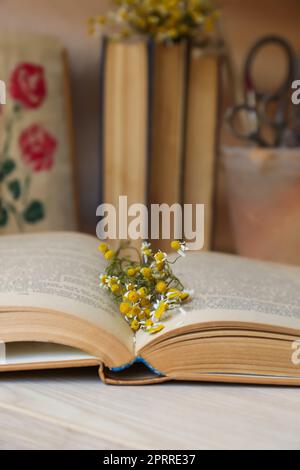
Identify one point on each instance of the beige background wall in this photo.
(243, 21)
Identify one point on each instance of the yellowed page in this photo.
(231, 288)
(58, 271)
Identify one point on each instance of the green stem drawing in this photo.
(18, 218)
(26, 189)
(9, 126)
(17, 188)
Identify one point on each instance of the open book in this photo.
(242, 324)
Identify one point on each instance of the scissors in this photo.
(248, 120)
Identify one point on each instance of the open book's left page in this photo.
(58, 272)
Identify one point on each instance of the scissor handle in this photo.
(245, 112)
(242, 113)
(280, 117)
(248, 68)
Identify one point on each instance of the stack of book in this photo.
(159, 124)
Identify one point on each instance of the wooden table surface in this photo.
(72, 409)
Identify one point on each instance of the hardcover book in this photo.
(242, 324)
(124, 130)
(202, 131)
(167, 125)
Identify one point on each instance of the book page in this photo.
(58, 271)
(232, 288)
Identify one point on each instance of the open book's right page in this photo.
(231, 288)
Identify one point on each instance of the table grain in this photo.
(72, 409)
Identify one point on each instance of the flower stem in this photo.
(17, 216)
(26, 188)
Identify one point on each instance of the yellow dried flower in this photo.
(142, 292)
(155, 289)
(101, 19)
(160, 266)
(160, 256)
(160, 19)
(115, 288)
(146, 272)
(136, 310)
(131, 272)
(109, 255)
(141, 315)
(133, 296)
(135, 325)
(161, 287)
(147, 312)
(161, 309)
(156, 329)
(184, 295)
(145, 302)
(124, 307)
(175, 244)
(103, 248)
(173, 294)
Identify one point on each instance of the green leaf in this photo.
(34, 212)
(7, 167)
(15, 188)
(3, 216)
(2, 175)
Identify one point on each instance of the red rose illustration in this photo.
(38, 148)
(28, 86)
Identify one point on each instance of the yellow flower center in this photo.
(146, 272)
(133, 296)
(115, 288)
(161, 287)
(103, 248)
(109, 255)
(142, 292)
(112, 281)
(175, 244)
(159, 256)
(124, 308)
(131, 272)
(145, 302)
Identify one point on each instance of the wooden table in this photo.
(72, 409)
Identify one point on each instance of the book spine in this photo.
(201, 137)
(124, 134)
(137, 360)
(168, 124)
(101, 118)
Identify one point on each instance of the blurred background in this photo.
(242, 23)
